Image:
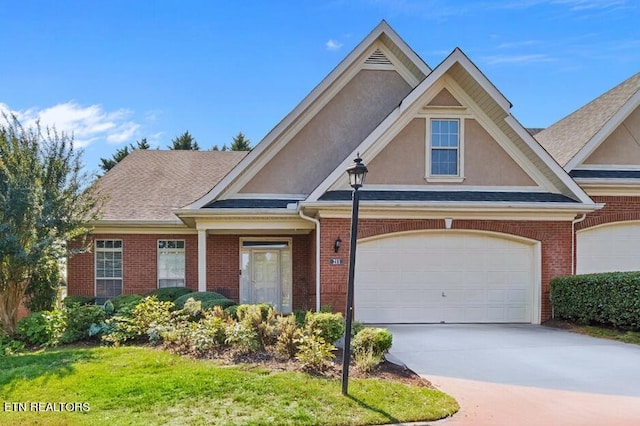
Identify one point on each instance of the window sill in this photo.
(444, 179)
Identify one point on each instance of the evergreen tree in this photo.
(107, 164)
(184, 142)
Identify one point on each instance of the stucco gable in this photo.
(381, 56)
(574, 138)
(457, 88)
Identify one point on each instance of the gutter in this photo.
(317, 223)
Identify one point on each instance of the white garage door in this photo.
(609, 248)
(450, 276)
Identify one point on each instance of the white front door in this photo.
(265, 275)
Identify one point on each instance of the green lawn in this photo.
(609, 333)
(139, 385)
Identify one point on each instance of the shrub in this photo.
(208, 334)
(8, 345)
(287, 332)
(313, 351)
(331, 326)
(169, 294)
(78, 321)
(42, 328)
(263, 308)
(370, 346)
(241, 338)
(126, 302)
(81, 300)
(42, 291)
(150, 312)
(608, 298)
(208, 299)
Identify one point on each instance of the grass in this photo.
(138, 385)
(609, 333)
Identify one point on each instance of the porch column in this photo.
(202, 260)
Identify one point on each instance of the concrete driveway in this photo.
(524, 374)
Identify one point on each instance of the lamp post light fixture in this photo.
(357, 172)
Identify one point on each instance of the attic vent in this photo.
(378, 58)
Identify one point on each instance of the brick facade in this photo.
(223, 254)
(616, 209)
(139, 253)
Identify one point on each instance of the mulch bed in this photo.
(385, 370)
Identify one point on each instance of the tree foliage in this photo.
(107, 164)
(239, 143)
(43, 203)
(184, 142)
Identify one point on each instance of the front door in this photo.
(265, 276)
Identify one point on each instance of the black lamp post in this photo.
(357, 172)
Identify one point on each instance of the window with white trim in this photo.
(171, 263)
(108, 255)
(444, 148)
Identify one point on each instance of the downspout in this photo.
(573, 241)
(573, 251)
(317, 222)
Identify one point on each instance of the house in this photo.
(599, 146)
(464, 216)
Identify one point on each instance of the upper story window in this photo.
(108, 269)
(171, 263)
(444, 148)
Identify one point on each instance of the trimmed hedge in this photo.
(169, 294)
(208, 299)
(608, 298)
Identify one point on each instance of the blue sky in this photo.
(113, 72)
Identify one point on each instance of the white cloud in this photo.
(516, 59)
(333, 45)
(87, 124)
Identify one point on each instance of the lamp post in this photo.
(357, 172)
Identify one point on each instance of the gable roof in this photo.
(148, 184)
(472, 80)
(382, 33)
(573, 138)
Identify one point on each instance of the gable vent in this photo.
(378, 58)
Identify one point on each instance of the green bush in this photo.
(81, 300)
(370, 346)
(8, 345)
(42, 328)
(146, 315)
(314, 353)
(287, 332)
(331, 326)
(42, 291)
(78, 321)
(169, 294)
(607, 298)
(126, 302)
(208, 299)
(241, 338)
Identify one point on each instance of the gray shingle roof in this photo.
(605, 174)
(462, 196)
(251, 203)
(148, 184)
(564, 139)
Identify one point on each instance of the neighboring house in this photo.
(464, 217)
(599, 146)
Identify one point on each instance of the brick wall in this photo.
(616, 209)
(139, 262)
(223, 265)
(555, 238)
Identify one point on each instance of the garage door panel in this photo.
(609, 248)
(448, 276)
